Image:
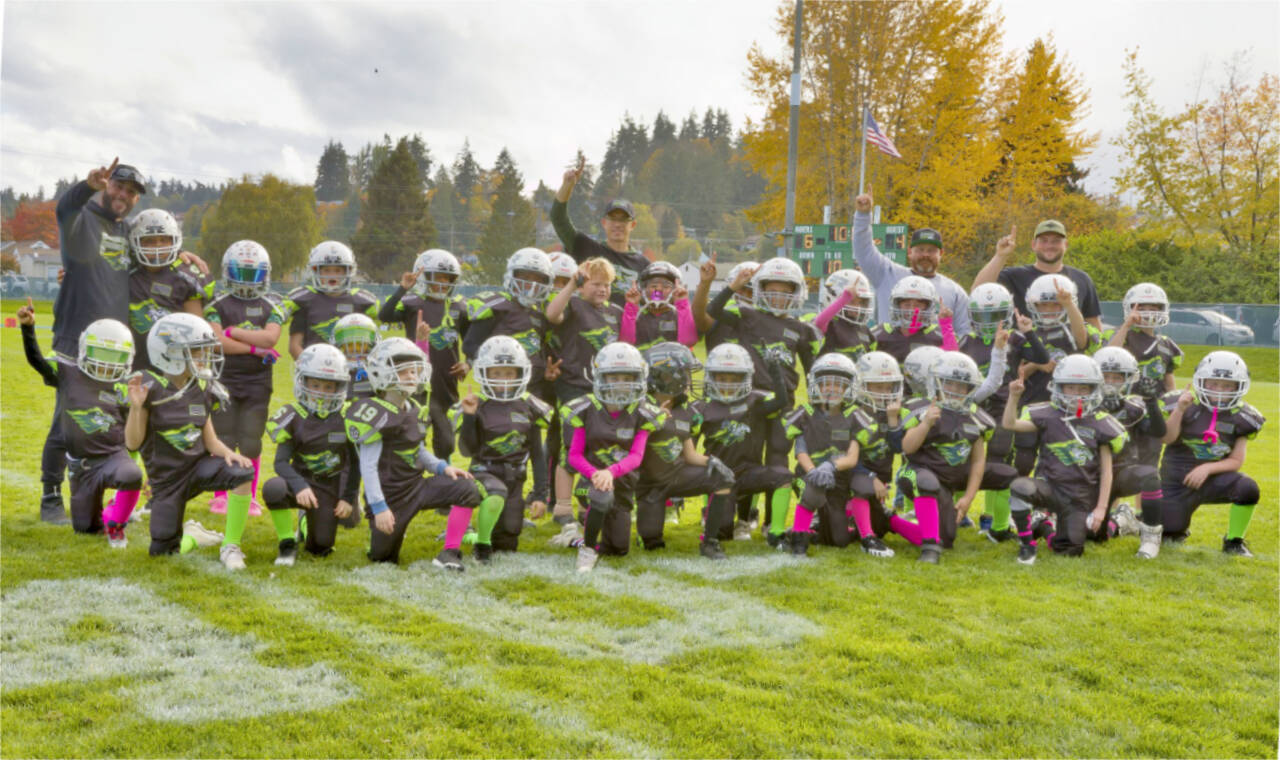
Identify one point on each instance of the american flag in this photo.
(879, 139)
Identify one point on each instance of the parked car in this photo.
(1206, 327)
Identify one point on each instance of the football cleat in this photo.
(218, 504)
(999, 536)
(742, 531)
(930, 553)
(1236, 547)
(115, 536)
(203, 536)
(776, 541)
(711, 549)
(232, 557)
(288, 552)
(1027, 554)
(569, 532)
(52, 511)
(449, 559)
(587, 559)
(799, 543)
(875, 547)
(1149, 540)
(1127, 523)
(483, 553)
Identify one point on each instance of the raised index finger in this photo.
(30, 305)
(114, 163)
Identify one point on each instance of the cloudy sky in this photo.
(210, 91)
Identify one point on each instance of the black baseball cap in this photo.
(127, 173)
(621, 205)
(926, 236)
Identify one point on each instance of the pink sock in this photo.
(804, 519)
(456, 527)
(927, 517)
(257, 467)
(861, 509)
(121, 507)
(907, 530)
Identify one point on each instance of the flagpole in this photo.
(862, 162)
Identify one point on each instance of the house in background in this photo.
(36, 260)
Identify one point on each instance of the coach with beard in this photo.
(1050, 246)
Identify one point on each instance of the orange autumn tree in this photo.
(33, 221)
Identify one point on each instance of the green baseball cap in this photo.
(1050, 225)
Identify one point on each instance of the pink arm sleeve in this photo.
(831, 311)
(577, 460)
(627, 332)
(947, 327)
(632, 459)
(686, 330)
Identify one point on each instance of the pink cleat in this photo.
(255, 509)
(218, 504)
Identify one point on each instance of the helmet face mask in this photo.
(182, 343)
(528, 276)
(155, 238)
(832, 379)
(917, 368)
(671, 369)
(619, 375)
(1117, 361)
(332, 266)
(879, 380)
(1076, 387)
(990, 306)
(355, 336)
(320, 379)
(953, 378)
(913, 302)
(861, 306)
(503, 368)
(1042, 299)
(246, 270)
(657, 285)
(205, 359)
(778, 287)
(105, 351)
(396, 364)
(438, 273)
(1221, 380)
(728, 373)
(1151, 303)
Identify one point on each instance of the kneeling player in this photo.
(879, 394)
(92, 405)
(672, 466)
(170, 419)
(1207, 436)
(388, 431)
(945, 446)
(1073, 469)
(1135, 468)
(315, 469)
(501, 431)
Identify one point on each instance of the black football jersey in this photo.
(609, 434)
(826, 435)
(402, 431)
(1068, 456)
(505, 428)
(736, 433)
(320, 447)
(157, 293)
(662, 456)
(175, 424)
(894, 343)
(950, 441)
(314, 314)
(93, 411)
(510, 317)
(1193, 447)
(448, 320)
(1059, 342)
(226, 310)
(584, 331)
(844, 337)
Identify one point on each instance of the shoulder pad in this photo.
(540, 407)
(1250, 413)
(299, 292)
(795, 415)
(984, 419)
(650, 411)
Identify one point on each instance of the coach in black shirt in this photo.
(1050, 246)
(618, 222)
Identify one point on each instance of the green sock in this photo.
(283, 520)
(487, 517)
(779, 503)
(997, 505)
(188, 545)
(1238, 520)
(237, 518)
(302, 524)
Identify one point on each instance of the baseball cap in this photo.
(1050, 225)
(127, 173)
(621, 205)
(926, 236)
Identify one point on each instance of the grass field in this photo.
(112, 653)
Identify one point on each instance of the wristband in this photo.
(425, 345)
(378, 507)
(252, 348)
(441, 466)
(227, 333)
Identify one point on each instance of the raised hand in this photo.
(680, 293)
(97, 178)
(932, 414)
(1016, 387)
(1006, 244)
(1187, 398)
(422, 330)
(553, 368)
(743, 277)
(27, 314)
(863, 203)
(707, 269)
(1002, 336)
(469, 403)
(1063, 296)
(633, 295)
(408, 279)
(137, 391)
(460, 369)
(1025, 325)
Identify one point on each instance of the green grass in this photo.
(112, 653)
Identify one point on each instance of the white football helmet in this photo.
(151, 223)
(1221, 365)
(728, 359)
(331, 253)
(832, 379)
(181, 342)
(877, 368)
(1042, 299)
(916, 368)
(953, 377)
(916, 288)
(563, 268)
(106, 351)
(745, 297)
(1116, 359)
(990, 306)
(396, 363)
(528, 276)
(784, 270)
(619, 374)
(503, 351)
(320, 362)
(1146, 293)
(355, 336)
(651, 298)
(862, 307)
(438, 273)
(246, 270)
(1076, 369)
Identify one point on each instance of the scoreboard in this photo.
(821, 249)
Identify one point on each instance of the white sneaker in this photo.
(1127, 523)
(587, 559)
(742, 531)
(232, 557)
(203, 536)
(569, 532)
(1149, 543)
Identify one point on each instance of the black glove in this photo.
(716, 467)
(777, 355)
(1149, 387)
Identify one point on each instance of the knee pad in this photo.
(274, 493)
(1023, 488)
(130, 477)
(927, 482)
(1148, 478)
(1245, 492)
(600, 500)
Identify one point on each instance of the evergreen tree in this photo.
(421, 156)
(581, 211)
(394, 220)
(333, 173)
(664, 130)
(511, 224)
(689, 127)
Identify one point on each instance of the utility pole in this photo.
(793, 136)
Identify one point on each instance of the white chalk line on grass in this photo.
(704, 616)
(547, 714)
(180, 668)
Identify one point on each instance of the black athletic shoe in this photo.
(711, 549)
(1236, 546)
(776, 541)
(930, 553)
(1175, 539)
(449, 559)
(799, 543)
(483, 553)
(52, 510)
(288, 553)
(1027, 554)
(875, 547)
(1000, 536)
